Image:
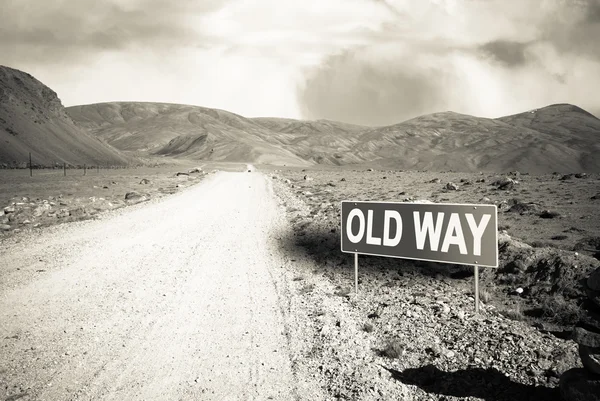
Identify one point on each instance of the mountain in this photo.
(33, 119)
(183, 131)
(567, 142)
(561, 138)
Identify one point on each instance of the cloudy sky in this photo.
(372, 62)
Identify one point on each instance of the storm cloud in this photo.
(65, 31)
(489, 60)
(373, 62)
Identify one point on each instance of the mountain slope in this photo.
(459, 142)
(182, 131)
(561, 138)
(32, 119)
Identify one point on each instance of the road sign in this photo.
(452, 233)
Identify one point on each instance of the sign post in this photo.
(476, 289)
(464, 234)
(356, 273)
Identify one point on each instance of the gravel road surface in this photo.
(169, 300)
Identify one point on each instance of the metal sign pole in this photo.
(476, 289)
(356, 272)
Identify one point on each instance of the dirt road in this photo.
(171, 300)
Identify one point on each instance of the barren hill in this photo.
(32, 119)
(561, 138)
(452, 141)
(182, 131)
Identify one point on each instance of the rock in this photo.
(369, 169)
(581, 175)
(566, 177)
(144, 181)
(181, 174)
(597, 196)
(548, 214)
(593, 281)
(435, 181)
(579, 385)
(4, 227)
(505, 183)
(343, 179)
(585, 337)
(195, 170)
(9, 209)
(307, 178)
(590, 357)
(519, 290)
(451, 186)
(132, 195)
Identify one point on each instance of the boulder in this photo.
(586, 337)
(451, 186)
(9, 209)
(593, 281)
(590, 357)
(579, 385)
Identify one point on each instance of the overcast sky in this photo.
(372, 62)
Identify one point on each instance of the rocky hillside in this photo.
(32, 119)
(561, 138)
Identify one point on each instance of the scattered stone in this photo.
(524, 208)
(505, 183)
(481, 180)
(548, 214)
(9, 209)
(144, 181)
(4, 227)
(132, 195)
(451, 186)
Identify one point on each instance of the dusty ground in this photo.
(50, 198)
(417, 318)
(172, 299)
(189, 297)
(550, 229)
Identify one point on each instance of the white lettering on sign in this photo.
(427, 229)
(388, 216)
(478, 230)
(454, 239)
(454, 233)
(370, 239)
(355, 239)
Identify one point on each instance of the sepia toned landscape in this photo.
(152, 248)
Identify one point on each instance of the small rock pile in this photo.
(584, 384)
